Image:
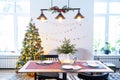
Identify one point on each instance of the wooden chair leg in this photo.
(35, 76)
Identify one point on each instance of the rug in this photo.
(114, 76)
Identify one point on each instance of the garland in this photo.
(64, 9)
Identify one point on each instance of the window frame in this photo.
(15, 24)
(107, 17)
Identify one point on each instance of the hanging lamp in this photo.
(42, 17)
(79, 16)
(56, 9)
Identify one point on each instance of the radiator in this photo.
(8, 60)
(115, 59)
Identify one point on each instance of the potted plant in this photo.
(66, 47)
(66, 50)
(107, 48)
(96, 45)
(118, 45)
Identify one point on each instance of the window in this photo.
(14, 17)
(107, 24)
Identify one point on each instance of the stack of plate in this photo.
(92, 64)
(71, 67)
(45, 62)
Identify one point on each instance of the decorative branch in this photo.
(64, 9)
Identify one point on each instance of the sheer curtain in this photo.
(14, 17)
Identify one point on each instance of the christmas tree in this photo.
(66, 47)
(32, 48)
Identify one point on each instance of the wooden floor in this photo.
(11, 75)
(6, 74)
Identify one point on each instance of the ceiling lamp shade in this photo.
(60, 16)
(79, 16)
(42, 17)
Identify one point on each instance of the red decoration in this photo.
(16, 71)
(57, 9)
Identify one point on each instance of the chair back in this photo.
(83, 54)
(49, 57)
(53, 52)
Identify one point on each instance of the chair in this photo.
(53, 52)
(84, 54)
(109, 64)
(43, 76)
(101, 76)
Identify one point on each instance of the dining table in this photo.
(36, 66)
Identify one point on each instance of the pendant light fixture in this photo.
(56, 9)
(42, 17)
(60, 16)
(79, 16)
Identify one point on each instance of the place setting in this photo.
(93, 64)
(71, 68)
(45, 62)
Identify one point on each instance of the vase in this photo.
(107, 51)
(66, 58)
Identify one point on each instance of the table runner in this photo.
(56, 65)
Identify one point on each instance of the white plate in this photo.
(47, 62)
(76, 67)
(71, 67)
(67, 67)
(38, 62)
(93, 64)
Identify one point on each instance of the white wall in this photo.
(53, 32)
